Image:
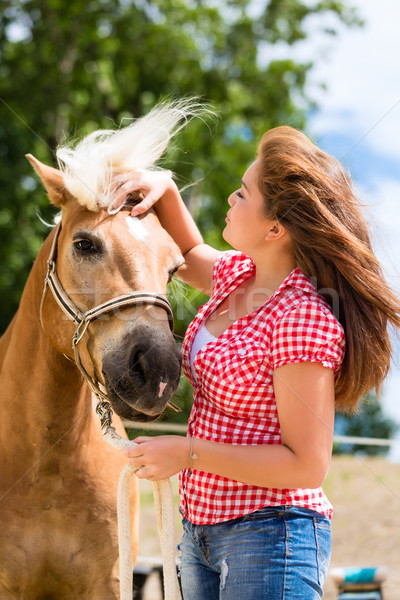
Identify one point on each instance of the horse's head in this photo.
(101, 256)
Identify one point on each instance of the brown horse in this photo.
(58, 484)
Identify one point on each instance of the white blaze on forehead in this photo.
(137, 229)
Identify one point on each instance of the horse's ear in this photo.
(52, 180)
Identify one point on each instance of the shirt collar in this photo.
(296, 279)
(246, 267)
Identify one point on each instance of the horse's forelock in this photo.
(90, 167)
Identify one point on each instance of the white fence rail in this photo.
(180, 428)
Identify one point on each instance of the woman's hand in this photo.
(158, 187)
(159, 457)
(152, 184)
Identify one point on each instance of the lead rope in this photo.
(164, 508)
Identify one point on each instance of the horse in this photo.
(93, 317)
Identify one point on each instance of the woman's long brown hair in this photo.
(310, 193)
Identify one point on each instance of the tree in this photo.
(69, 67)
(368, 421)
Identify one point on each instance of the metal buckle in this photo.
(104, 412)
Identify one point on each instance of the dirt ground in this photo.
(365, 493)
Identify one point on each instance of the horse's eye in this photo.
(171, 274)
(86, 247)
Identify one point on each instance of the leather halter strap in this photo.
(72, 311)
(82, 319)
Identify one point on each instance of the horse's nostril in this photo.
(137, 369)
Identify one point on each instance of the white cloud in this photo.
(383, 214)
(361, 70)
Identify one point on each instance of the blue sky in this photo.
(358, 121)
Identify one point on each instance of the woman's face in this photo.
(246, 224)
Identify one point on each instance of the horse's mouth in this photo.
(123, 407)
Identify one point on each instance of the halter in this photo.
(83, 319)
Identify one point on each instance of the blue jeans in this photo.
(276, 553)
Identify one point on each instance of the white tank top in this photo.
(202, 337)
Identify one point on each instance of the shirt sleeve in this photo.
(310, 333)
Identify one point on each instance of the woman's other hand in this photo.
(159, 457)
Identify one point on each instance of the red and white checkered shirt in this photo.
(234, 401)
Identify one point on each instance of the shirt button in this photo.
(242, 351)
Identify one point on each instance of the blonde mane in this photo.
(92, 165)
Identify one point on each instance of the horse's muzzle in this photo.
(142, 374)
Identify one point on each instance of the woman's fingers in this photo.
(144, 205)
(158, 457)
(151, 184)
(122, 191)
(143, 473)
(138, 460)
(136, 450)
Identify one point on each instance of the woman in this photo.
(296, 324)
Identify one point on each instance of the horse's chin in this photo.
(126, 411)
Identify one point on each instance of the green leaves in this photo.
(69, 67)
(369, 421)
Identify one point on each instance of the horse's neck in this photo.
(41, 391)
